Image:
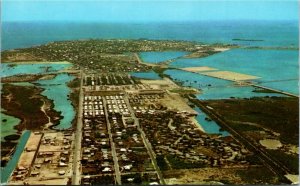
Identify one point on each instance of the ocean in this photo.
(271, 33)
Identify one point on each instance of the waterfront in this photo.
(213, 88)
(57, 90)
(209, 126)
(277, 68)
(10, 166)
(157, 57)
(12, 69)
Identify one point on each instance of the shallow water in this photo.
(8, 169)
(156, 57)
(57, 90)
(214, 88)
(210, 127)
(7, 128)
(145, 75)
(271, 65)
(10, 69)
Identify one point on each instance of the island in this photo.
(91, 121)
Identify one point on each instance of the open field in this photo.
(175, 102)
(165, 83)
(221, 176)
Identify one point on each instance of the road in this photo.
(78, 135)
(146, 142)
(113, 148)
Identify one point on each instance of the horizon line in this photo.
(149, 21)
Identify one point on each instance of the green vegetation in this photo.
(279, 114)
(291, 161)
(162, 163)
(105, 55)
(245, 127)
(258, 90)
(178, 163)
(25, 102)
(74, 83)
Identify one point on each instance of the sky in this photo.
(147, 10)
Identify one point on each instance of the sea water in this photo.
(214, 88)
(276, 68)
(273, 33)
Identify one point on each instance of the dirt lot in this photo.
(30, 150)
(217, 176)
(165, 83)
(175, 101)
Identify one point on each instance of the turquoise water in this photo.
(270, 65)
(157, 57)
(232, 91)
(146, 75)
(214, 88)
(8, 169)
(7, 128)
(8, 70)
(274, 33)
(57, 90)
(209, 127)
(288, 86)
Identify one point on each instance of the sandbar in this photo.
(198, 69)
(228, 75)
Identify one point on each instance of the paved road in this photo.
(78, 135)
(113, 148)
(146, 141)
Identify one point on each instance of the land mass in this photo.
(107, 55)
(271, 122)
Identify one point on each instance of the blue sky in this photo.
(148, 10)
